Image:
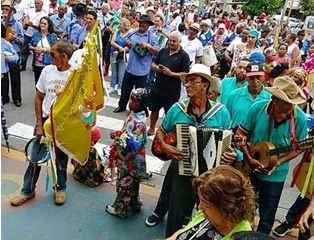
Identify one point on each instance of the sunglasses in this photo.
(53, 54)
(5, 9)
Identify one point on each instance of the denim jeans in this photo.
(268, 199)
(117, 72)
(296, 209)
(150, 80)
(33, 170)
(32, 173)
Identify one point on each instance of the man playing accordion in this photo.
(177, 195)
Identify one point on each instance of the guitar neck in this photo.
(301, 145)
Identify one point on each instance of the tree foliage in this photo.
(307, 6)
(256, 7)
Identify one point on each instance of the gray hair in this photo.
(218, 85)
(176, 34)
(125, 23)
(105, 5)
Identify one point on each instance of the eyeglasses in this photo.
(192, 82)
(5, 9)
(53, 54)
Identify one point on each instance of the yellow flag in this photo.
(74, 112)
(276, 37)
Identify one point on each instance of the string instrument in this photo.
(267, 154)
(9, 30)
(157, 151)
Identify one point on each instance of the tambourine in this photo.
(35, 152)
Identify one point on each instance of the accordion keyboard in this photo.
(183, 144)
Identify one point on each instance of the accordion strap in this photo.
(209, 114)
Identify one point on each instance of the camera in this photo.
(160, 66)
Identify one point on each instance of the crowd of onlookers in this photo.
(152, 44)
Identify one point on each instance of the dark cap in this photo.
(255, 69)
(79, 9)
(145, 18)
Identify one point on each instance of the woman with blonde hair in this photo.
(117, 55)
(227, 204)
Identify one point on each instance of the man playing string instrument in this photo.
(286, 124)
(177, 194)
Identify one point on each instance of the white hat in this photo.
(202, 70)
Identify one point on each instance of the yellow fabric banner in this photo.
(74, 112)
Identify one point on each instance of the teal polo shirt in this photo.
(256, 123)
(227, 86)
(239, 101)
(176, 115)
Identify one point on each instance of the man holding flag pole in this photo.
(65, 104)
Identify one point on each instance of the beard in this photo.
(241, 77)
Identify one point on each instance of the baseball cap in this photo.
(255, 69)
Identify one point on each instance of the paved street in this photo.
(21, 122)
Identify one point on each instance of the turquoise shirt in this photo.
(239, 101)
(256, 123)
(227, 86)
(175, 115)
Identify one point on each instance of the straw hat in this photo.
(287, 90)
(202, 70)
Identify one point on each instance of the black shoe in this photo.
(17, 103)
(4, 101)
(118, 109)
(152, 220)
(282, 229)
(23, 68)
(147, 175)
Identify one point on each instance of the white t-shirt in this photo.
(193, 48)
(233, 44)
(34, 17)
(50, 82)
(175, 23)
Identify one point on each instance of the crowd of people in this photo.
(260, 84)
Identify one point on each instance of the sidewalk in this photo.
(83, 216)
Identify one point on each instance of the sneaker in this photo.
(119, 92)
(282, 229)
(60, 198)
(112, 211)
(111, 90)
(21, 199)
(152, 220)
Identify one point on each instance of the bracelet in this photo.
(278, 164)
(149, 46)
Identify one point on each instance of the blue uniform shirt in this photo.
(7, 49)
(256, 123)
(19, 32)
(142, 63)
(81, 35)
(73, 28)
(56, 22)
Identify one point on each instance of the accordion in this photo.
(202, 148)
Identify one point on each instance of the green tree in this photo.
(307, 6)
(256, 7)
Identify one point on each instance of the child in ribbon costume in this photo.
(127, 153)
